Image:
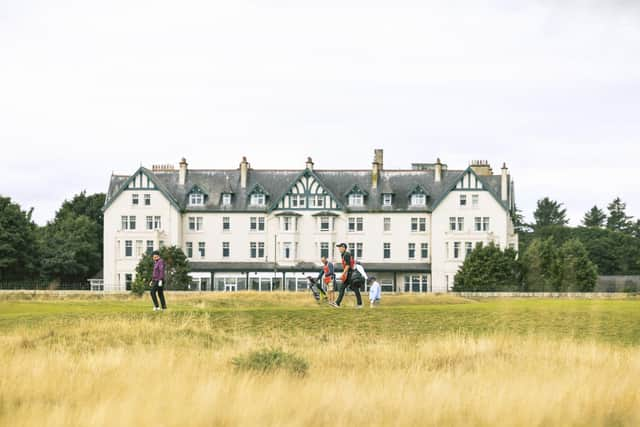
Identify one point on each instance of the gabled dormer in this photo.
(258, 197)
(197, 197)
(307, 192)
(418, 197)
(226, 195)
(356, 197)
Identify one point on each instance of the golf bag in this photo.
(316, 289)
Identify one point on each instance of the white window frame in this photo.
(418, 199)
(196, 199)
(356, 200)
(387, 200)
(226, 199)
(258, 200)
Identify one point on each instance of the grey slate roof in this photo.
(277, 182)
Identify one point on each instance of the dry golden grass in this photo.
(177, 371)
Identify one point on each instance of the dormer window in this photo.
(418, 200)
(226, 199)
(356, 200)
(387, 200)
(196, 199)
(258, 200)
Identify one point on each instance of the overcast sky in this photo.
(550, 87)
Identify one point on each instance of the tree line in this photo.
(68, 249)
(554, 257)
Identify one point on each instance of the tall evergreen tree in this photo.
(595, 218)
(578, 273)
(18, 242)
(541, 265)
(618, 219)
(549, 212)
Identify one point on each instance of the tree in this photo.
(549, 212)
(489, 269)
(519, 224)
(578, 273)
(18, 242)
(541, 266)
(176, 270)
(618, 219)
(68, 249)
(90, 206)
(595, 218)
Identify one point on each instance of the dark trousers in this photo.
(355, 288)
(160, 291)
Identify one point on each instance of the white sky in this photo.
(550, 87)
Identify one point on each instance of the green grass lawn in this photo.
(613, 321)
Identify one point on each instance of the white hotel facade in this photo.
(266, 230)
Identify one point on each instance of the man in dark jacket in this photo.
(348, 267)
(157, 282)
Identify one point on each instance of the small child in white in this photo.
(374, 292)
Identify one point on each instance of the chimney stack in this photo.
(309, 163)
(244, 170)
(482, 167)
(182, 177)
(505, 183)
(376, 167)
(438, 174)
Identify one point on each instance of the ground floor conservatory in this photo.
(228, 277)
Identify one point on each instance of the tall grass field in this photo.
(251, 359)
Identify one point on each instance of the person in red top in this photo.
(328, 276)
(348, 266)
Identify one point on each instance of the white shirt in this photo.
(374, 292)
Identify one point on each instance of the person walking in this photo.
(374, 292)
(157, 282)
(327, 277)
(348, 267)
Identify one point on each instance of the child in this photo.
(374, 292)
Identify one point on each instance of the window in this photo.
(424, 250)
(478, 222)
(485, 224)
(456, 250)
(226, 223)
(358, 250)
(325, 223)
(149, 223)
(128, 248)
(161, 243)
(317, 201)
(287, 223)
(475, 200)
(412, 250)
(189, 249)
(135, 199)
(387, 200)
(128, 280)
(157, 223)
(149, 247)
(226, 199)
(139, 244)
(256, 223)
(287, 251)
(147, 199)
(452, 223)
(297, 201)
(356, 224)
(226, 250)
(418, 224)
(202, 249)
(128, 222)
(195, 223)
(258, 200)
(356, 200)
(324, 249)
(196, 199)
(460, 224)
(418, 200)
(387, 225)
(387, 251)
(256, 249)
(463, 200)
(468, 248)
